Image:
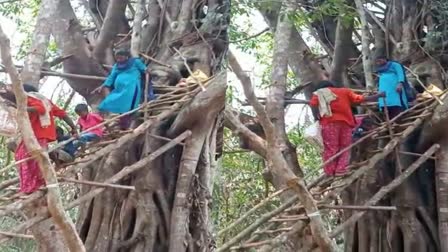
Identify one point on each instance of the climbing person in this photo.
(337, 122)
(122, 88)
(392, 81)
(88, 121)
(67, 153)
(41, 112)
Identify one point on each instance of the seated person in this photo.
(66, 154)
(86, 121)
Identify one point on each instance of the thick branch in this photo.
(53, 196)
(366, 61)
(137, 28)
(41, 36)
(110, 28)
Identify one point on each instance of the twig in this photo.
(16, 235)
(93, 183)
(155, 60)
(252, 210)
(251, 36)
(360, 208)
(189, 69)
(423, 85)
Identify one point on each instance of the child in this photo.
(86, 121)
(67, 153)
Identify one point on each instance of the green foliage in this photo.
(239, 186)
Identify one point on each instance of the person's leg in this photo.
(84, 138)
(393, 111)
(345, 139)
(30, 176)
(330, 138)
(125, 122)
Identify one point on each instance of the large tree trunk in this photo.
(168, 210)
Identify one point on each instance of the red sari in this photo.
(29, 172)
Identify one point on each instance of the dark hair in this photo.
(382, 57)
(82, 107)
(123, 52)
(325, 84)
(29, 88)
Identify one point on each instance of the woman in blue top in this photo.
(122, 87)
(391, 81)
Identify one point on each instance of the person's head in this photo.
(325, 84)
(29, 88)
(59, 132)
(82, 110)
(122, 55)
(381, 60)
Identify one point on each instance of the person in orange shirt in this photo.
(337, 122)
(41, 112)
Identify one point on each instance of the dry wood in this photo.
(14, 235)
(251, 211)
(55, 208)
(114, 179)
(386, 189)
(93, 183)
(360, 208)
(365, 34)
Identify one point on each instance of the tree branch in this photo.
(53, 196)
(137, 28)
(110, 28)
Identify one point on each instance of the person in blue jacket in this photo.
(123, 86)
(391, 81)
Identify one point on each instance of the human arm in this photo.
(60, 113)
(399, 70)
(108, 83)
(35, 106)
(375, 97)
(356, 98)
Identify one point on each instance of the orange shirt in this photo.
(40, 132)
(341, 108)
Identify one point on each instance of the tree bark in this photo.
(441, 176)
(54, 202)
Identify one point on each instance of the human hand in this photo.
(97, 90)
(74, 133)
(399, 87)
(382, 94)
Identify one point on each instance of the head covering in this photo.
(125, 64)
(123, 52)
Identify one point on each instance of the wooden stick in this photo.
(14, 235)
(423, 85)
(386, 189)
(263, 219)
(91, 194)
(93, 183)
(360, 208)
(155, 60)
(189, 69)
(252, 210)
(18, 205)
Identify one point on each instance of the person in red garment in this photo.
(41, 112)
(337, 122)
